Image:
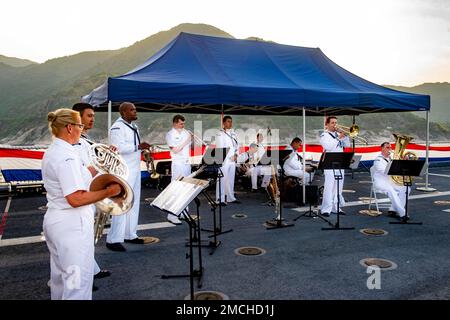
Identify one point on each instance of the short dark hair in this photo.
(327, 121)
(296, 140)
(384, 143)
(258, 135)
(177, 118)
(81, 106)
(226, 118)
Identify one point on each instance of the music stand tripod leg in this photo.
(218, 230)
(407, 184)
(338, 177)
(192, 273)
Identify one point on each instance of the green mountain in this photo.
(440, 99)
(15, 62)
(28, 93)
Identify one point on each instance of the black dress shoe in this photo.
(222, 204)
(135, 241)
(392, 214)
(102, 274)
(340, 212)
(404, 219)
(325, 214)
(116, 246)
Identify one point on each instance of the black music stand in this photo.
(274, 158)
(175, 200)
(406, 169)
(336, 161)
(212, 162)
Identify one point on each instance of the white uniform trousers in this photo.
(226, 183)
(306, 178)
(125, 225)
(329, 201)
(254, 172)
(70, 239)
(96, 266)
(395, 193)
(180, 170)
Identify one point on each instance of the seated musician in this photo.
(293, 166)
(382, 182)
(247, 162)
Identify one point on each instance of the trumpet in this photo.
(352, 132)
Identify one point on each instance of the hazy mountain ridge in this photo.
(28, 93)
(15, 62)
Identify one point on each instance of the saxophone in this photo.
(274, 193)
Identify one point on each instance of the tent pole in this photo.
(303, 149)
(109, 116)
(426, 188)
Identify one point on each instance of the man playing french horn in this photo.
(87, 115)
(179, 141)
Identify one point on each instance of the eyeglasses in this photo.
(79, 125)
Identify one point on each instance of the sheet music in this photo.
(178, 194)
(355, 161)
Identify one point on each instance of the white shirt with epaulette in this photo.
(331, 143)
(125, 136)
(228, 139)
(175, 138)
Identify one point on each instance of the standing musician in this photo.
(68, 223)
(179, 141)
(226, 138)
(382, 182)
(124, 134)
(332, 141)
(87, 115)
(293, 166)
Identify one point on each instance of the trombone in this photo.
(352, 132)
(197, 138)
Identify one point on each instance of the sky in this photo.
(398, 42)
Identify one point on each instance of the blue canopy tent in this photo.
(204, 74)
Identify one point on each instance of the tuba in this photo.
(150, 163)
(112, 169)
(401, 141)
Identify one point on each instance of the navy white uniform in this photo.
(227, 139)
(383, 182)
(125, 136)
(265, 171)
(83, 147)
(293, 167)
(181, 166)
(69, 232)
(252, 170)
(331, 143)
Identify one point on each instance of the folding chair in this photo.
(374, 191)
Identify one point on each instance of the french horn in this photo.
(112, 169)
